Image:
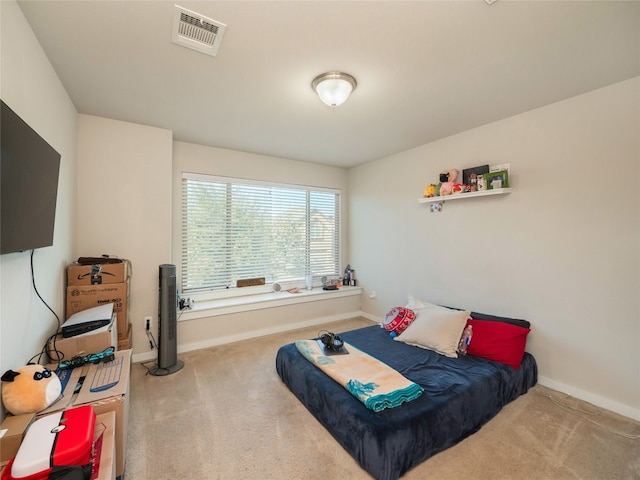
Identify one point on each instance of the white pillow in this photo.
(417, 304)
(438, 329)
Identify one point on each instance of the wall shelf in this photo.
(460, 196)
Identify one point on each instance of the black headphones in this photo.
(331, 341)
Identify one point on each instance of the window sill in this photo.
(225, 306)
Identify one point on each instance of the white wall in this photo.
(562, 250)
(32, 89)
(124, 203)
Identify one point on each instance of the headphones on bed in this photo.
(331, 341)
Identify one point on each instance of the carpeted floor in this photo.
(227, 415)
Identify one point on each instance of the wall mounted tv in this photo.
(29, 170)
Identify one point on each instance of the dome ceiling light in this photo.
(334, 88)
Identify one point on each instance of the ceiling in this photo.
(425, 69)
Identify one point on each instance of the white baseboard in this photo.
(592, 398)
(213, 342)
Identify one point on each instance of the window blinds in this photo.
(235, 229)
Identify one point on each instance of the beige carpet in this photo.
(227, 415)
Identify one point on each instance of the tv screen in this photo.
(29, 169)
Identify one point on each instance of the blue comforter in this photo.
(460, 395)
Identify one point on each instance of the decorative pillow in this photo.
(436, 329)
(29, 389)
(498, 341)
(494, 318)
(397, 320)
(417, 304)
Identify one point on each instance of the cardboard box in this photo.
(98, 274)
(87, 343)
(12, 432)
(124, 342)
(81, 297)
(104, 442)
(105, 386)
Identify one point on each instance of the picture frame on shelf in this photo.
(496, 180)
(470, 176)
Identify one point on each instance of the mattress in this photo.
(460, 395)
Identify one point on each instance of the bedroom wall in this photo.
(124, 204)
(32, 89)
(562, 250)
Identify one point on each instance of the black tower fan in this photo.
(168, 362)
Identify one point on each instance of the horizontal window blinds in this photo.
(236, 229)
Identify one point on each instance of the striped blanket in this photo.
(372, 382)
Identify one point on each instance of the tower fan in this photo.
(168, 362)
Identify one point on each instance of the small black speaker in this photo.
(331, 341)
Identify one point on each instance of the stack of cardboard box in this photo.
(90, 285)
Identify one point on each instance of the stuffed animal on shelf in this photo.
(447, 179)
(430, 191)
(457, 188)
(29, 389)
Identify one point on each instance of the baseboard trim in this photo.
(592, 398)
(213, 342)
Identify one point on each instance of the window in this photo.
(236, 229)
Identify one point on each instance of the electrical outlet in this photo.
(148, 323)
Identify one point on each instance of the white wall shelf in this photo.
(437, 202)
(460, 196)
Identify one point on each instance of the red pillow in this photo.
(498, 341)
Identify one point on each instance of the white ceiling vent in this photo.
(195, 31)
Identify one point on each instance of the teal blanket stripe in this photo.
(378, 403)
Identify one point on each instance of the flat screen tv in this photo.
(29, 170)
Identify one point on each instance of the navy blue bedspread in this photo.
(461, 395)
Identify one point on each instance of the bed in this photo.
(460, 395)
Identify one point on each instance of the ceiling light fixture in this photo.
(334, 88)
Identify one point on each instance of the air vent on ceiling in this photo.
(195, 31)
